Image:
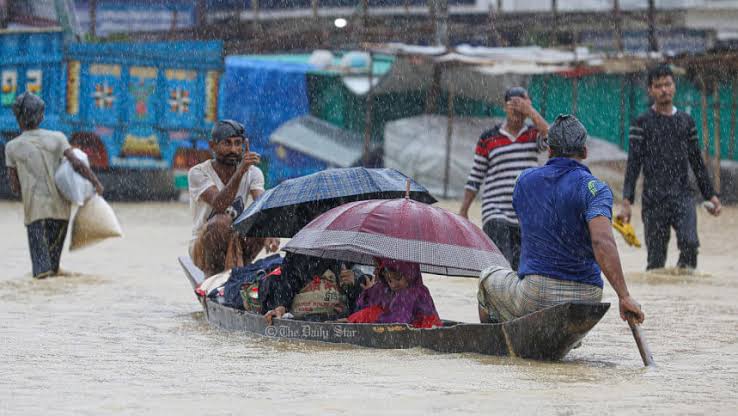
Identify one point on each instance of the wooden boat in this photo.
(548, 334)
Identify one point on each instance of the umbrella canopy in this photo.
(283, 210)
(400, 229)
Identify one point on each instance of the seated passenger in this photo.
(567, 240)
(308, 289)
(219, 189)
(396, 294)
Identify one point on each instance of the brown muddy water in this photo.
(121, 333)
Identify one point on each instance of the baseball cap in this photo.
(567, 134)
(515, 92)
(224, 129)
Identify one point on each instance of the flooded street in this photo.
(122, 333)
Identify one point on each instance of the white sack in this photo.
(71, 185)
(95, 221)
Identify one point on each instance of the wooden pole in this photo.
(431, 99)
(255, 9)
(368, 113)
(716, 127)
(449, 134)
(618, 18)
(574, 95)
(494, 35)
(733, 105)
(555, 12)
(652, 41)
(314, 4)
(93, 18)
(640, 340)
(544, 95)
(621, 120)
(703, 113)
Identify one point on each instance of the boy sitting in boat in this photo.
(567, 242)
(396, 294)
(219, 189)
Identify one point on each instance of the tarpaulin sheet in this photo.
(263, 94)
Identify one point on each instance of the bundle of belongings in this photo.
(308, 286)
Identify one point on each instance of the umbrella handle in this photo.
(407, 188)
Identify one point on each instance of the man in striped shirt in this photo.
(501, 155)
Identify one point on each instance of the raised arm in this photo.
(221, 200)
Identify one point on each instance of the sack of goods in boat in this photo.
(319, 297)
(73, 187)
(95, 221)
(247, 275)
(250, 292)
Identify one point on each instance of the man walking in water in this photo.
(501, 154)
(663, 142)
(219, 189)
(32, 160)
(567, 241)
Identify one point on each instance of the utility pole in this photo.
(618, 18)
(439, 11)
(555, 12)
(652, 41)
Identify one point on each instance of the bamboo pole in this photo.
(93, 18)
(652, 41)
(716, 127)
(703, 114)
(449, 134)
(574, 95)
(622, 112)
(733, 104)
(314, 4)
(368, 113)
(618, 18)
(555, 12)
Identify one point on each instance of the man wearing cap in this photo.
(219, 189)
(500, 156)
(32, 160)
(664, 144)
(567, 241)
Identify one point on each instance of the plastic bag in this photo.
(73, 187)
(95, 221)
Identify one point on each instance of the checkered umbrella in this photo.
(400, 229)
(283, 210)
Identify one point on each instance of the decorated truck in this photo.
(141, 111)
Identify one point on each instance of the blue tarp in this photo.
(263, 95)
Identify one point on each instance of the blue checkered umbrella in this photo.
(283, 210)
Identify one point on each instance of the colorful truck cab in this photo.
(142, 110)
(29, 61)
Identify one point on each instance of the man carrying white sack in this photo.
(32, 159)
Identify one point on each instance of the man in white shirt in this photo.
(219, 189)
(32, 160)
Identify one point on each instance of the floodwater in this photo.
(121, 333)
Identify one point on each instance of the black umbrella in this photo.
(283, 210)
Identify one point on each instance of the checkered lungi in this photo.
(505, 296)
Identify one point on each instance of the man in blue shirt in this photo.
(567, 241)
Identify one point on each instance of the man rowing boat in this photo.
(565, 218)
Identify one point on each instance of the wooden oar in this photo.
(640, 341)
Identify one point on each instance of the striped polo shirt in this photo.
(498, 160)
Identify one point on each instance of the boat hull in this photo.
(548, 334)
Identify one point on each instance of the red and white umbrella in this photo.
(400, 229)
